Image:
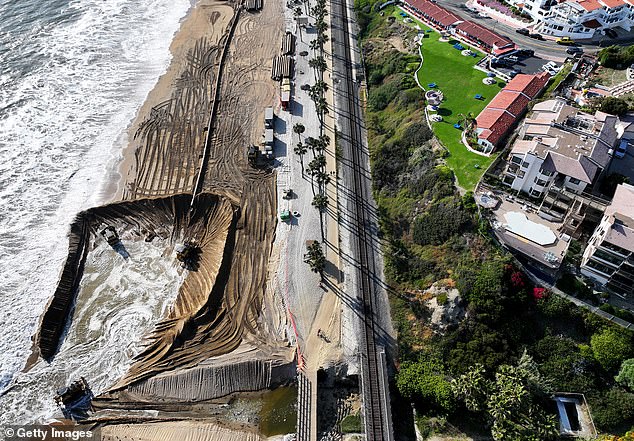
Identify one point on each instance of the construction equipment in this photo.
(74, 400)
(285, 215)
(188, 253)
(110, 235)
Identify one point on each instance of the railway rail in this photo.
(378, 424)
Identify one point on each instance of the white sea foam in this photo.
(59, 125)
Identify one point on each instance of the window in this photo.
(525, 164)
(600, 267)
(508, 180)
(521, 174)
(604, 255)
(535, 193)
(545, 172)
(516, 160)
(574, 181)
(540, 182)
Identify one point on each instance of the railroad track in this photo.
(374, 384)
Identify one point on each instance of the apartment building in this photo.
(609, 257)
(579, 19)
(560, 145)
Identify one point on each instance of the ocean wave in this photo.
(72, 80)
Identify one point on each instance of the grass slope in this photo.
(460, 82)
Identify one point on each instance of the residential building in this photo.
(558, 143)
(579, 19)
(609, 257)
(559, 156)
(446, 21)
(498, 118)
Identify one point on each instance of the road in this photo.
(547, 49)
(359, 217)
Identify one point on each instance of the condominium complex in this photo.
(562, 147)
(609, 257)
(579, 18)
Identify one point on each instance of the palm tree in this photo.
(297, 12)
(315, 257)
(300, 149)
(314, 45)
(299, 129)
(312, 143)
(320, 201)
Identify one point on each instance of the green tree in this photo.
(611, 346)
(315, 257)
(509, 401)
(320, 201)
(425, 381)
(299, 128)
(613, 106)
(626, 374)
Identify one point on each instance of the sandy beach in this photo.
(207, 20)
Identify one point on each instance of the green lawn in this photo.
(459, 82)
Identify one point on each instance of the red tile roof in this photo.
(513, 102)
(484, 35)
(434, 12)
(612, 3)
(589, 5)
(496, 124)
(529, 85)
(497, 118)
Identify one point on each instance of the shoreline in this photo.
(193, 26)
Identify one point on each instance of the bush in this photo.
(425, 382)
(613, 106)
(380, 97)
(416, 134)
(441, 221)
(613, 409)
(389, 162)
(612, 346)
(352, 424)
(626, 374)
(616, 57)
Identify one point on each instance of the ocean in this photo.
(72, 77)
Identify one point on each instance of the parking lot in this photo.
(525, 64)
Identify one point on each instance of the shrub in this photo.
(425, 381)
(613, 409)
(380, 97)
(613, 106)
(611, 346)
(441, 221)
(416, 134)
(616, 57)
(626, 374)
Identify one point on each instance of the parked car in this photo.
(536, 36)
(527, 52)
(565, 41)
(305, 87)
(513, 59)
(523, 31)
(611, 33)
(573, 50)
